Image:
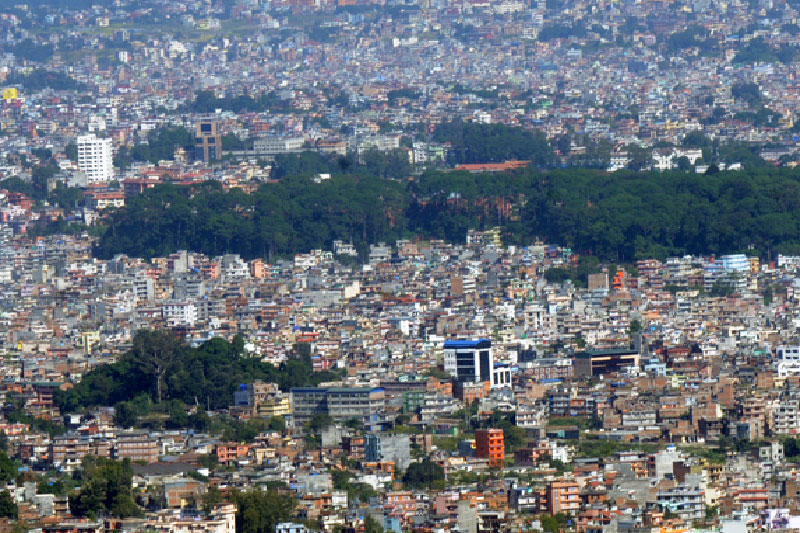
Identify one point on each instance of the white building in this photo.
(619, 161)
(786, 414)
(736, 263)
(382, 143)
(663, 160)
(179, 313)
(692, 154)
(234, 266)
(272, 145)
(290, 527)
(788, 363)
(343, 248)
(472, 361)
(95, 158)
(222, 519)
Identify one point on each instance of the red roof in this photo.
(493, 167)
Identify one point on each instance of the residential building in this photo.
(95, 158)
(490, 444)
(563, 497)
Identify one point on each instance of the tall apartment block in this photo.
(95, 158)
(208, 140)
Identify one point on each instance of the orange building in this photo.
(257, 269)
(490, 444)
(563, 497)
(620, 280)
(231, 451)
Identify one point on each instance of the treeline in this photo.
(207, 102)
(61, 196)
(160, 145)
(617, 217)
(485, 143)
(561, 31)
(40, 78)
(624, 216)
(278, 219)
(759, 51)
(29, 50)
(103, 488)
(106, 489)
(160, 368)
(470, 142)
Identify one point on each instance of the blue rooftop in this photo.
(479, 343)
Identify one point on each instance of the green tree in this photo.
(232, 142)
(549, 524)
(301, 349)
(209, 461)
(372, 526)
(48, 486)
(319, 422)
(641, 157)
(155, 353)
(39, 177)
(722, 288)
(513, 436)
(423, 474)
(259, 511)
(125, 415)
(616, 217)
(712, 511)
(696, 139)
(276, 423)
(105, 489)
(8, 469)
(353, 423)
(207, 375)
(42, 153)
(39, 79)
(8, 507)
(212, 498)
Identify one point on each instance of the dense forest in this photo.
(620, 217)
(28, 49)
(207, 102)
(279, 219)
(624, 216)
(40, 78)
(159, 368)
(482, 143)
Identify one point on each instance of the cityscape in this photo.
(367, 266)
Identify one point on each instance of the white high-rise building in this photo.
(471, 361)
(95, 158)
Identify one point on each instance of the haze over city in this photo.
(437, 266)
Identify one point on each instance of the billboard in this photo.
(10, 94)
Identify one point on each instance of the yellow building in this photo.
(89, 339)
(275, 406)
